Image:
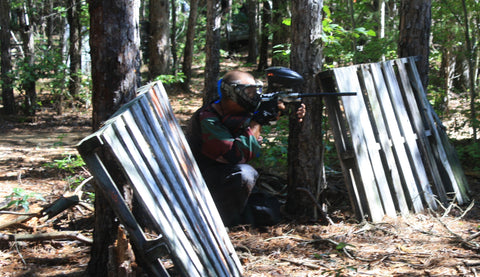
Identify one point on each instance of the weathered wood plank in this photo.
(356, 115)
(382, 132)
(155, 204)
(343, 143)
(149, 146)
(421, 130)
(410, 136)
(446, 153)
(161, 109)
(397, 139)
(179, 184)
(162, 167)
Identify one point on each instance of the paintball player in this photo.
(224, 136)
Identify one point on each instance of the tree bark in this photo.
(266, 21)
(471, 70)
(281, 32)
(114, 44)
(7, 82)
(212, 48)
(159, 47)
(73, 17)
(414, 36)
(189, 43)
(253, 31)
(28, 46)
(305, 144)
(173, 39)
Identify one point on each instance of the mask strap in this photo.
(219, 91)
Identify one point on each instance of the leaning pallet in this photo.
(394, 152)
(149, 146)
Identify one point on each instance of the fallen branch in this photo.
(460, 239)
(46, 236)
(302, 263)
(319, 207)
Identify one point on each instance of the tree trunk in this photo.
(173, 39)
(414, 36)
(471, 70)
(266, 21)
(28, 46)
(189, 43)
(7, 82)
(212, 48)
(305, 143)
(281, 32)
(73, 17)
(159, 47)
(253, 30)
(114, 44)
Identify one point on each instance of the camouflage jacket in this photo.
(221, 139)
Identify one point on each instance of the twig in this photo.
(307, 264)
(46, 236)
(17, 220)
(18, 213)
(319, 207)
(459, 238)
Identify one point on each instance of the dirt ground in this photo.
(440, 244)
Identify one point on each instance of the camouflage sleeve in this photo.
(221, 145)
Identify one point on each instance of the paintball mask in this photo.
(246, 95)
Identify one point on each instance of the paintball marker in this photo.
(282, 83)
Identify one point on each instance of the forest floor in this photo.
(35, 152)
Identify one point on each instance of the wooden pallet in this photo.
(149, 146)
(394, 152)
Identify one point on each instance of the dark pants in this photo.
(230, 186)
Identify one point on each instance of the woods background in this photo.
(94, 54)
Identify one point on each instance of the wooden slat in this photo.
(176, 186)
(397, 139)
(156, 204)
(163, 169)
(417, 117)
(414, 156)
(423, 184)
(443, 147)
(151, 149)
(180, 148)
(109, 188)
(361, 134)
(378, 116)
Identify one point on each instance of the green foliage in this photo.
(339, 41)
(274, 147)
(19, 198)
(281, 52)
(69, 163)
(469, 154)
(171, 79)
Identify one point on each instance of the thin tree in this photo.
(173, 36)
(114, 44)
(252, 7)
(7, 82)
(471, 69)
(189, 43)
(28, 47)
(264, 38)
(414, 36)
(75, 43)
(159, 45)
(212, 48)
(304, 148)
(280, 31)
